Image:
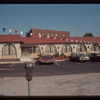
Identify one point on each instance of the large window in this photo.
(66, 48)
(34, 50)
(9, 49)
(95, 47)
(81, 48)
(50, 48)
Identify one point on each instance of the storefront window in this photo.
(81, 48)
(50, 49)
(95, 47)
(35, 50)
(66, 48)
(9, 49)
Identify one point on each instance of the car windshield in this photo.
(97, 54)
(47, 56)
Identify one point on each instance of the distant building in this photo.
(43, 32)
(16, 47)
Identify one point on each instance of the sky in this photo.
(75, 18)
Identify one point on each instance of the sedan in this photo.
(78, 57)
(94, 56)
(47, 59)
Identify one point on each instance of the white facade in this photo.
(67, 49)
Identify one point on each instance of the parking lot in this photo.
(61, 78)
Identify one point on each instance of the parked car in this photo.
(47, 59)
(78, 57)
(94, 56)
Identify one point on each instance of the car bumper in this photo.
(47, 61)
(84, 59)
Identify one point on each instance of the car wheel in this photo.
(70, 60)
(75, 60)
(84, 60)
(39, 63)
(79, 61)
(91, 59)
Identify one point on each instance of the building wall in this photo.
(43, 49)
(1, 46)
(18, 49)
(73, 46)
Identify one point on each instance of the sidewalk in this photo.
(60, 85)
(15, 62)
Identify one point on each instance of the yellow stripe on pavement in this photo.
(56, 63)
(11, 65)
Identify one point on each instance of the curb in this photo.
(15, 62)
(29, 61)
(62, 60)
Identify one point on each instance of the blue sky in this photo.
(76, 18)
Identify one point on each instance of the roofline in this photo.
(10, 34)
(49, 30)
(57, 43)
(12, 42)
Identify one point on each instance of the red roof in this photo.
(11, 38)
(88, 39)
(44, 40)
(36, 40)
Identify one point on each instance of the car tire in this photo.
(91, 60)
(70, 60)
(79, 61)
(76, 60)
(84, 60)
(39, 63)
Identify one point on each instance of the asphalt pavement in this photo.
(63, 78)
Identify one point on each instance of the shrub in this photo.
(39, 55)
(62, 55)
(56, 54)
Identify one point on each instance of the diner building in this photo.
(42, 41)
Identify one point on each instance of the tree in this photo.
(88, 35)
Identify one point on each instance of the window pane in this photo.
(37, 50)
(66, 48)
(81, 48)
(95, 47)
(29, 50)
(5, 50)
(53, 49)
(12, 50)
(47, 50)
(50, 49)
